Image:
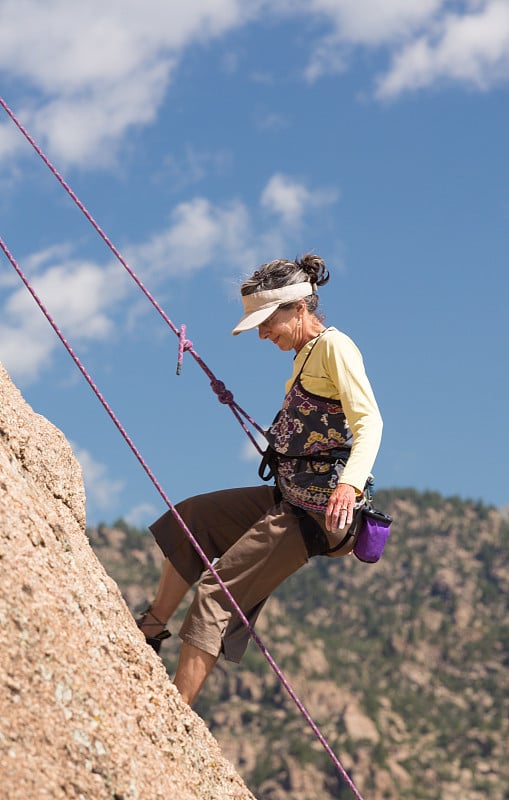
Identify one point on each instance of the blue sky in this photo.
(207, 138)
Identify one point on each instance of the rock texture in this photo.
(86, 708)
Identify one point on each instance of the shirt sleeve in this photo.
(344, 364)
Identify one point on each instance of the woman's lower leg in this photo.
(170, 593)
(194, 667)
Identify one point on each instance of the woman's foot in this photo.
(153, 629)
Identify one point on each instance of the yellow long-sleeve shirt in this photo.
(335, 369)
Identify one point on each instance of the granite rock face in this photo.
(86, 708)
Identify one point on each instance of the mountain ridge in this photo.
(403, 664)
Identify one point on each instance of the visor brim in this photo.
(254, 318)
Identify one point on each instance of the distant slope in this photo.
(403, 664)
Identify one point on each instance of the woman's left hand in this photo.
(340, 508)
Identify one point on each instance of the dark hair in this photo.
(276, 274)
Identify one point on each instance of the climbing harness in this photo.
(224, 395)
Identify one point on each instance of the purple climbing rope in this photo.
(305, 713)
(224, 396)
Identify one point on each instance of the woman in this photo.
(322, 446)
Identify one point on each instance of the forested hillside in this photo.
(403, 664)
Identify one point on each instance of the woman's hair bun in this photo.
(314, 267)
(276, 274)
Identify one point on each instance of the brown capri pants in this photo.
(259, 544)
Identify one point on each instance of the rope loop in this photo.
(184, 344)
(223, 394)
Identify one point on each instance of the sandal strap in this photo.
(153, 640)
(142, 619)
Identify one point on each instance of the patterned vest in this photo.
(309, 444)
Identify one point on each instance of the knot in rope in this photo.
(223, 394)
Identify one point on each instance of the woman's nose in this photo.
(262, 331)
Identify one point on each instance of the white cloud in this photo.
(26, 346)
(100, 68)
(8, 280)
(370, 22)
(55, 252)
(91, 123)
(348, 24)
(84, 297)
(79, 296)
(248, 451)
(191, 167)
(141, 515)
(88, 73)
(201, 233)
(65, 44)
(101, 490)
(427, 41)
(286, 197)
(291, 199)
(472, 48)
(10, 141)
(272, 121)
(198, 234)
(328, 58)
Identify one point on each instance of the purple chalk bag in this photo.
(374, 530)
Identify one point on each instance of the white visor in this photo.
(258, 306)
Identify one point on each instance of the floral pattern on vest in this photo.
(311, 441)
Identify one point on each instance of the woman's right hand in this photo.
(340, 508)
